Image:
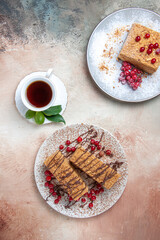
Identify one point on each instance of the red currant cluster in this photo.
(68, 142)
(96, 144)
(150, 47)
(130, 75)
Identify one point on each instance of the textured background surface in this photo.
(36, 35)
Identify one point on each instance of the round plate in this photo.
(103, 201)
(104, 46)
(61, 98)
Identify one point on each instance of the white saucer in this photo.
(61, 98)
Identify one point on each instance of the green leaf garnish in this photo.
(30, 114)
(53, 110)
(39, 118)
(56, 118)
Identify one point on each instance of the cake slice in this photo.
(94, 167)
(135, 48)
(66, 175)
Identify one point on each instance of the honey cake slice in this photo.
(66, 175)
(131, 53)
(95, 168)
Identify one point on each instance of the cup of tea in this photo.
(38, 93)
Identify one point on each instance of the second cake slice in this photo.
(95, 168)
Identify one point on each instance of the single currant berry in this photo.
(142, 49)
(126, 73)
(96, 143)
(68, 149)
(68, 142)
(122, 74)
(99, 147)
(73, 149)
(92, 141)
(147, 35)
(138, 38)
(139, 71)
(150, 45)
(134, 77)
(96, 192)
(51, 185)
(56, 201)
(83, 200)
(61, 147)
(93, 148)
(51, 190)
(92, 191)
(132, 72)
(89, 195)
(125, 64)
(47, 173)
(93, 198)
(153, 60)
(70, 199)
(46, 184)
(128, 67)
(90, 205)
(59, 197)
(54, 194)
(48, 178)
(158, 51)
(108, 152)
(149, 51)
(79, 139)
(101, 190)
(128, 78)
(99, 186)
(156, 45)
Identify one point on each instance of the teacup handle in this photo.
(49, 72)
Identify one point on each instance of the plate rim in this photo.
(87, 55)
(74, 125)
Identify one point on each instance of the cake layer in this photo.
(66, 175)
(94, 167)
(130, 51)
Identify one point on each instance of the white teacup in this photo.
(45, 79)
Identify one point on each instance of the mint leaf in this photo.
(39, 118)
(53, 110)
(30, 114)
(56, 118)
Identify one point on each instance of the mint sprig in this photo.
(52, 114)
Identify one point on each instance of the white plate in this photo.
(103, 34)
(61, 98)
(105, 200)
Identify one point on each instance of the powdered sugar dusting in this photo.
(105, 200)
(104, 47)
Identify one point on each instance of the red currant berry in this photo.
(51, 190)
(70, 199)
(139, 71)
(153, 60)
(108, 152)
(92, 191)
(126, 73)
(46, 184)
(134, 77)
(56, 201)
(128, 67)
(59, 197)
(90, 205)
(89, 195)
(99, 147)
(79, 139)
(125, 64)
(54, 194)
(68, 149)
(96, 192)
(138, 38)
(149, 51)
(150, 45)
(68, 142)
(99, 186)
(47, 173)
(93, 148)
(51, 185)
(96, 143)
(83, 200)
(147, 35)
(101, 190)
(73, 149)
(48, 178)
(142, 49)
(61, 147)
(93, 198)
(92, 141)
(156, 45)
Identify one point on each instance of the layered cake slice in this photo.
(66, 175)
(95, 168)
(142, 48)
